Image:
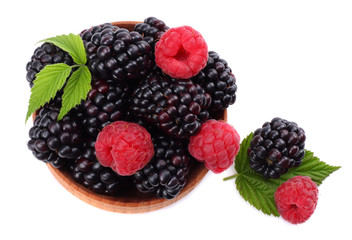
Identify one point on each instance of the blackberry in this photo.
(44, 55)
(276, 147)
(87, 34)
(177, 107)
(218, 80)
(52, 141)
(106, 103)
(151, 30)
(90, 173)
(115, 53)
(130, 117)
(165, 174)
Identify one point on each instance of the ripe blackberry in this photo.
(52, 141)
(165, 174)
(90, 173)
(115, 53)
(177, 107)
(44, 55)
(87, 34)
(151, 30)
(218, 80)
(276, 147)
(106, 103)
(130, 117)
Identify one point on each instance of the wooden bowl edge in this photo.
(114, 205)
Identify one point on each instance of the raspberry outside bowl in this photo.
(130, 200)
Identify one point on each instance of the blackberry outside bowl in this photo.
(131, 200)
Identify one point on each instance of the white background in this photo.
(291, 59)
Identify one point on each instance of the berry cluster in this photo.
(166, 173)
(296, 199)
(88, 171)
(44, 55)
(176, 107)
(116, 53)
(276, 147)
(217, 145)
(218, 80)
(106, 103)
(153, 88)
(52, 141)
(151, 29)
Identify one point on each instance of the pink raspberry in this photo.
(124, 147)
(181, 52)
(216, 144)
(296, 199)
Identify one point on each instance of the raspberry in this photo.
(296, 199)
(125, 147)
(216, 144)
(181, 52)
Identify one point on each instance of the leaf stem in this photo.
(230, 177)
(77, 65)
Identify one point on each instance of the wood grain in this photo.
(129, 201)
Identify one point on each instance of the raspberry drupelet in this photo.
(217, 145)
(125, 147)
(181, 52)
(296, 199)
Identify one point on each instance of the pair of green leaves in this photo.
(259, 192)
(53, 78)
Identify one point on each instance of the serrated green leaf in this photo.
(48, 81)
(76, 89)
(259, 191)
(242, 158)
(72, 44)
(312, 167)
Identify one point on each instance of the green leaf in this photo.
(259, 194)
(259, 191)
(76, 89)
(48, 81)
(242, 158)
(72, 44)
(312, 167)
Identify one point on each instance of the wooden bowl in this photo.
(131, 201)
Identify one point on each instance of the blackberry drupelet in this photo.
(130, 117)
(218, 80)
(116, 53)
(44, 55)
(151, 30)
(87, 34)
(177, 107)
(52, 141)
(276, 147)
(165, 174)
(106, 103)
(90, 173)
